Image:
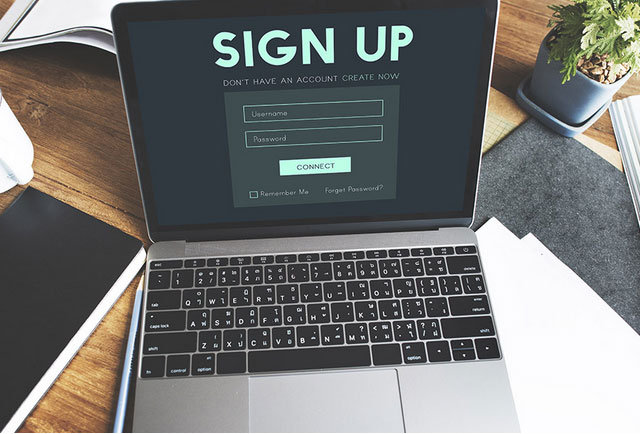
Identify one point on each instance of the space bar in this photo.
(309, 358)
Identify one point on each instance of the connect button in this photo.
(315, 166)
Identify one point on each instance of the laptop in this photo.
(308, 171)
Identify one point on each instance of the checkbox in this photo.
(253, 195)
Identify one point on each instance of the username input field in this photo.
(314, 136)
(312, 111)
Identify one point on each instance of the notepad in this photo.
(60, 272)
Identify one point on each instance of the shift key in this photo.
(467, 327)
(163, 343)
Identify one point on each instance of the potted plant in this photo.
(591, 51)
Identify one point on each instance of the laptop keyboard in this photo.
(270, 313)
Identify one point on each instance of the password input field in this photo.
(311, 111)
(314, 136)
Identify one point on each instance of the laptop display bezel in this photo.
(125, 13)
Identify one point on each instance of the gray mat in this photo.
(573, 201)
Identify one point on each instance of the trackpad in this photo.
(326, 402)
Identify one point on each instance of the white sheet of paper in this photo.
(574, 364)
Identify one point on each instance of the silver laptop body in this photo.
(313, 323)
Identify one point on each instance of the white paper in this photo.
(574, 364)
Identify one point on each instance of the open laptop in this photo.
(308, 171)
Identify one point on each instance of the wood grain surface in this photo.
(68, 99)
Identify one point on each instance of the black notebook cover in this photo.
(56, 265)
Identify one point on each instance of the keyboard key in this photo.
(467, 327)
(427, 286)
(240, 296)
(221, 318)
(309, 257)
(259, 339)
(158, 300)
(376, 254)
(389, 309)
(159, 279)
(332, 334)
(463, 264)
(381, 289)
(465, 250)
(275, 274)
(217, 262)
(429, 329)
(217, 297)
(404, 288)
(152, 366)
(463, 349)
(412, 267)
(285, 259)
(295, 314)
(473, 284)
(390, 268)
(202, 364)
(310, 292)
(265, 294)
(205, 277)
(437, 307)
(318, 313)
(381, 331)
(367, 269)
(439, 351)
(344, 270)
(240, 260)
(192, 298)
(321, 272)
(163, 265)
(251, 275)
(263, 260)
(163, 343)
(182, 279)
(358, 290)
(398, 253)
(165, 321)
(414, 352)
(298, 273)
(443, 251)
(334, 291)
(232, 363)
(247, 317)
(450, 285)
(332, 256)
(194, 263)
(354, 255)
(286, 294)
(366, 311)
(413, 308)
(308, 336)
(386, 354)
(342, 312)
(178, 366)
(422, 251)
(487, 348)
(469, 305)
(229, 276)
(404, 331)
(198, 320)
(435, 266)
(234, 340)
(270, 316)
(309, 358)
(356, 333)
(283, 337)
(209, 341)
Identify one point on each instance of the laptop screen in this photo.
(288, 119)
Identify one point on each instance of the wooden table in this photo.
(68, 99)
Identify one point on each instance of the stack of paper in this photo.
(574, 364)
(625, 116)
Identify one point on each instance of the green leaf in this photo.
(627, 26)
(589, 36)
